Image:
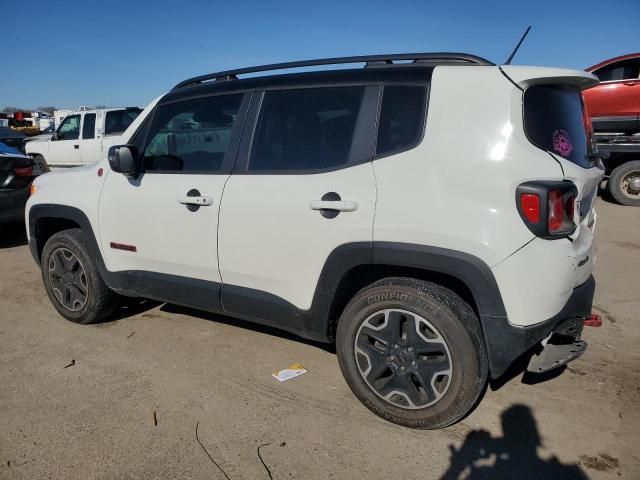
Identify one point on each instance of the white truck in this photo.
(83, 137)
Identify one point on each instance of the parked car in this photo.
(434, 244)
(17, 171)
(614, 106)
(13, 139)
(83, 137)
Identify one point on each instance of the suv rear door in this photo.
(154, 223)
(303, 186)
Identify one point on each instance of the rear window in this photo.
(118, 121)
(554, 120)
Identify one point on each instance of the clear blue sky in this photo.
(115, 52)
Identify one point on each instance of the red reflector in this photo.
(593, 321)
(556, 210)
(24, 171)
(123, 246)
(530, 204)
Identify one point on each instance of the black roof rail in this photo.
(369, 60)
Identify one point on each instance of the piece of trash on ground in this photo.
(290, 372)
(73, 362)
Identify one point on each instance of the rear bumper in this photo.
(506, 342)
(12, 204)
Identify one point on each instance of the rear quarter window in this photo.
(554, 120)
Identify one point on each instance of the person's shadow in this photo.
(514, 455)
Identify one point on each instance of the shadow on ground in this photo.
(514, 455)
(12, 235)
(247, 325)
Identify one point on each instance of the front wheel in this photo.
(72, 280)
(412, 352)
(624, 183)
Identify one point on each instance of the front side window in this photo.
(555, 120)
(625, 70)
(69, 128)
(401, 118)
(306, 129)
(117, 121)
(192, 135)
(89, 126)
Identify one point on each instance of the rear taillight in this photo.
(23, 171)
(530, 205)
(561, 208)
(547, 208)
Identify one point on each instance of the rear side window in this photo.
(306, 129)
(554, 120)
(193, 135)
(117, 121)
(401, 118)
(89, 126)
(625, 70)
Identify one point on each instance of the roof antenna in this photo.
(515, 50)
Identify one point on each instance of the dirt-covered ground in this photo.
(122, 399)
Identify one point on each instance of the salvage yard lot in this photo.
(133, 390)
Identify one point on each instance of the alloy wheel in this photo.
(68, 279)
(403, 358)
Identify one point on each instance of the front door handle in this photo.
(76, 147)
(200, 201)
(337, 205)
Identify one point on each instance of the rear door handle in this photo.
(336, 205)
(76, 147)
(200, 201)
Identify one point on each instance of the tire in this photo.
(42, 163)
(620, 186)
(68, 269)
(440, 380)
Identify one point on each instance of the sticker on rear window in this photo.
(562, 143)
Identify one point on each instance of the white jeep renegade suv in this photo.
(433, 217)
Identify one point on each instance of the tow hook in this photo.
(594, 320)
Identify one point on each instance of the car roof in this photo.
(327, 77)
(613, 60)
(405, 67)
(6, 132)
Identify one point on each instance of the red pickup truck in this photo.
(614, 107)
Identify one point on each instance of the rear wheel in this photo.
(412, 352)
(72, 280)
(624, 183)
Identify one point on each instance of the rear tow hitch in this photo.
(563, 345)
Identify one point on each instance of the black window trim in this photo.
(423, 119)
(370, 100)
(228, 163)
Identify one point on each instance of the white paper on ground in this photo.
(292, 371)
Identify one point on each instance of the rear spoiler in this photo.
(524, 77)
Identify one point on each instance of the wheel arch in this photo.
(45, 220)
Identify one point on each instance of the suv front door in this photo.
(304, 186)
(65, 150)
(164, 224)
(614, 104)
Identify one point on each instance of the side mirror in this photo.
(124, 159)
(54, 135)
